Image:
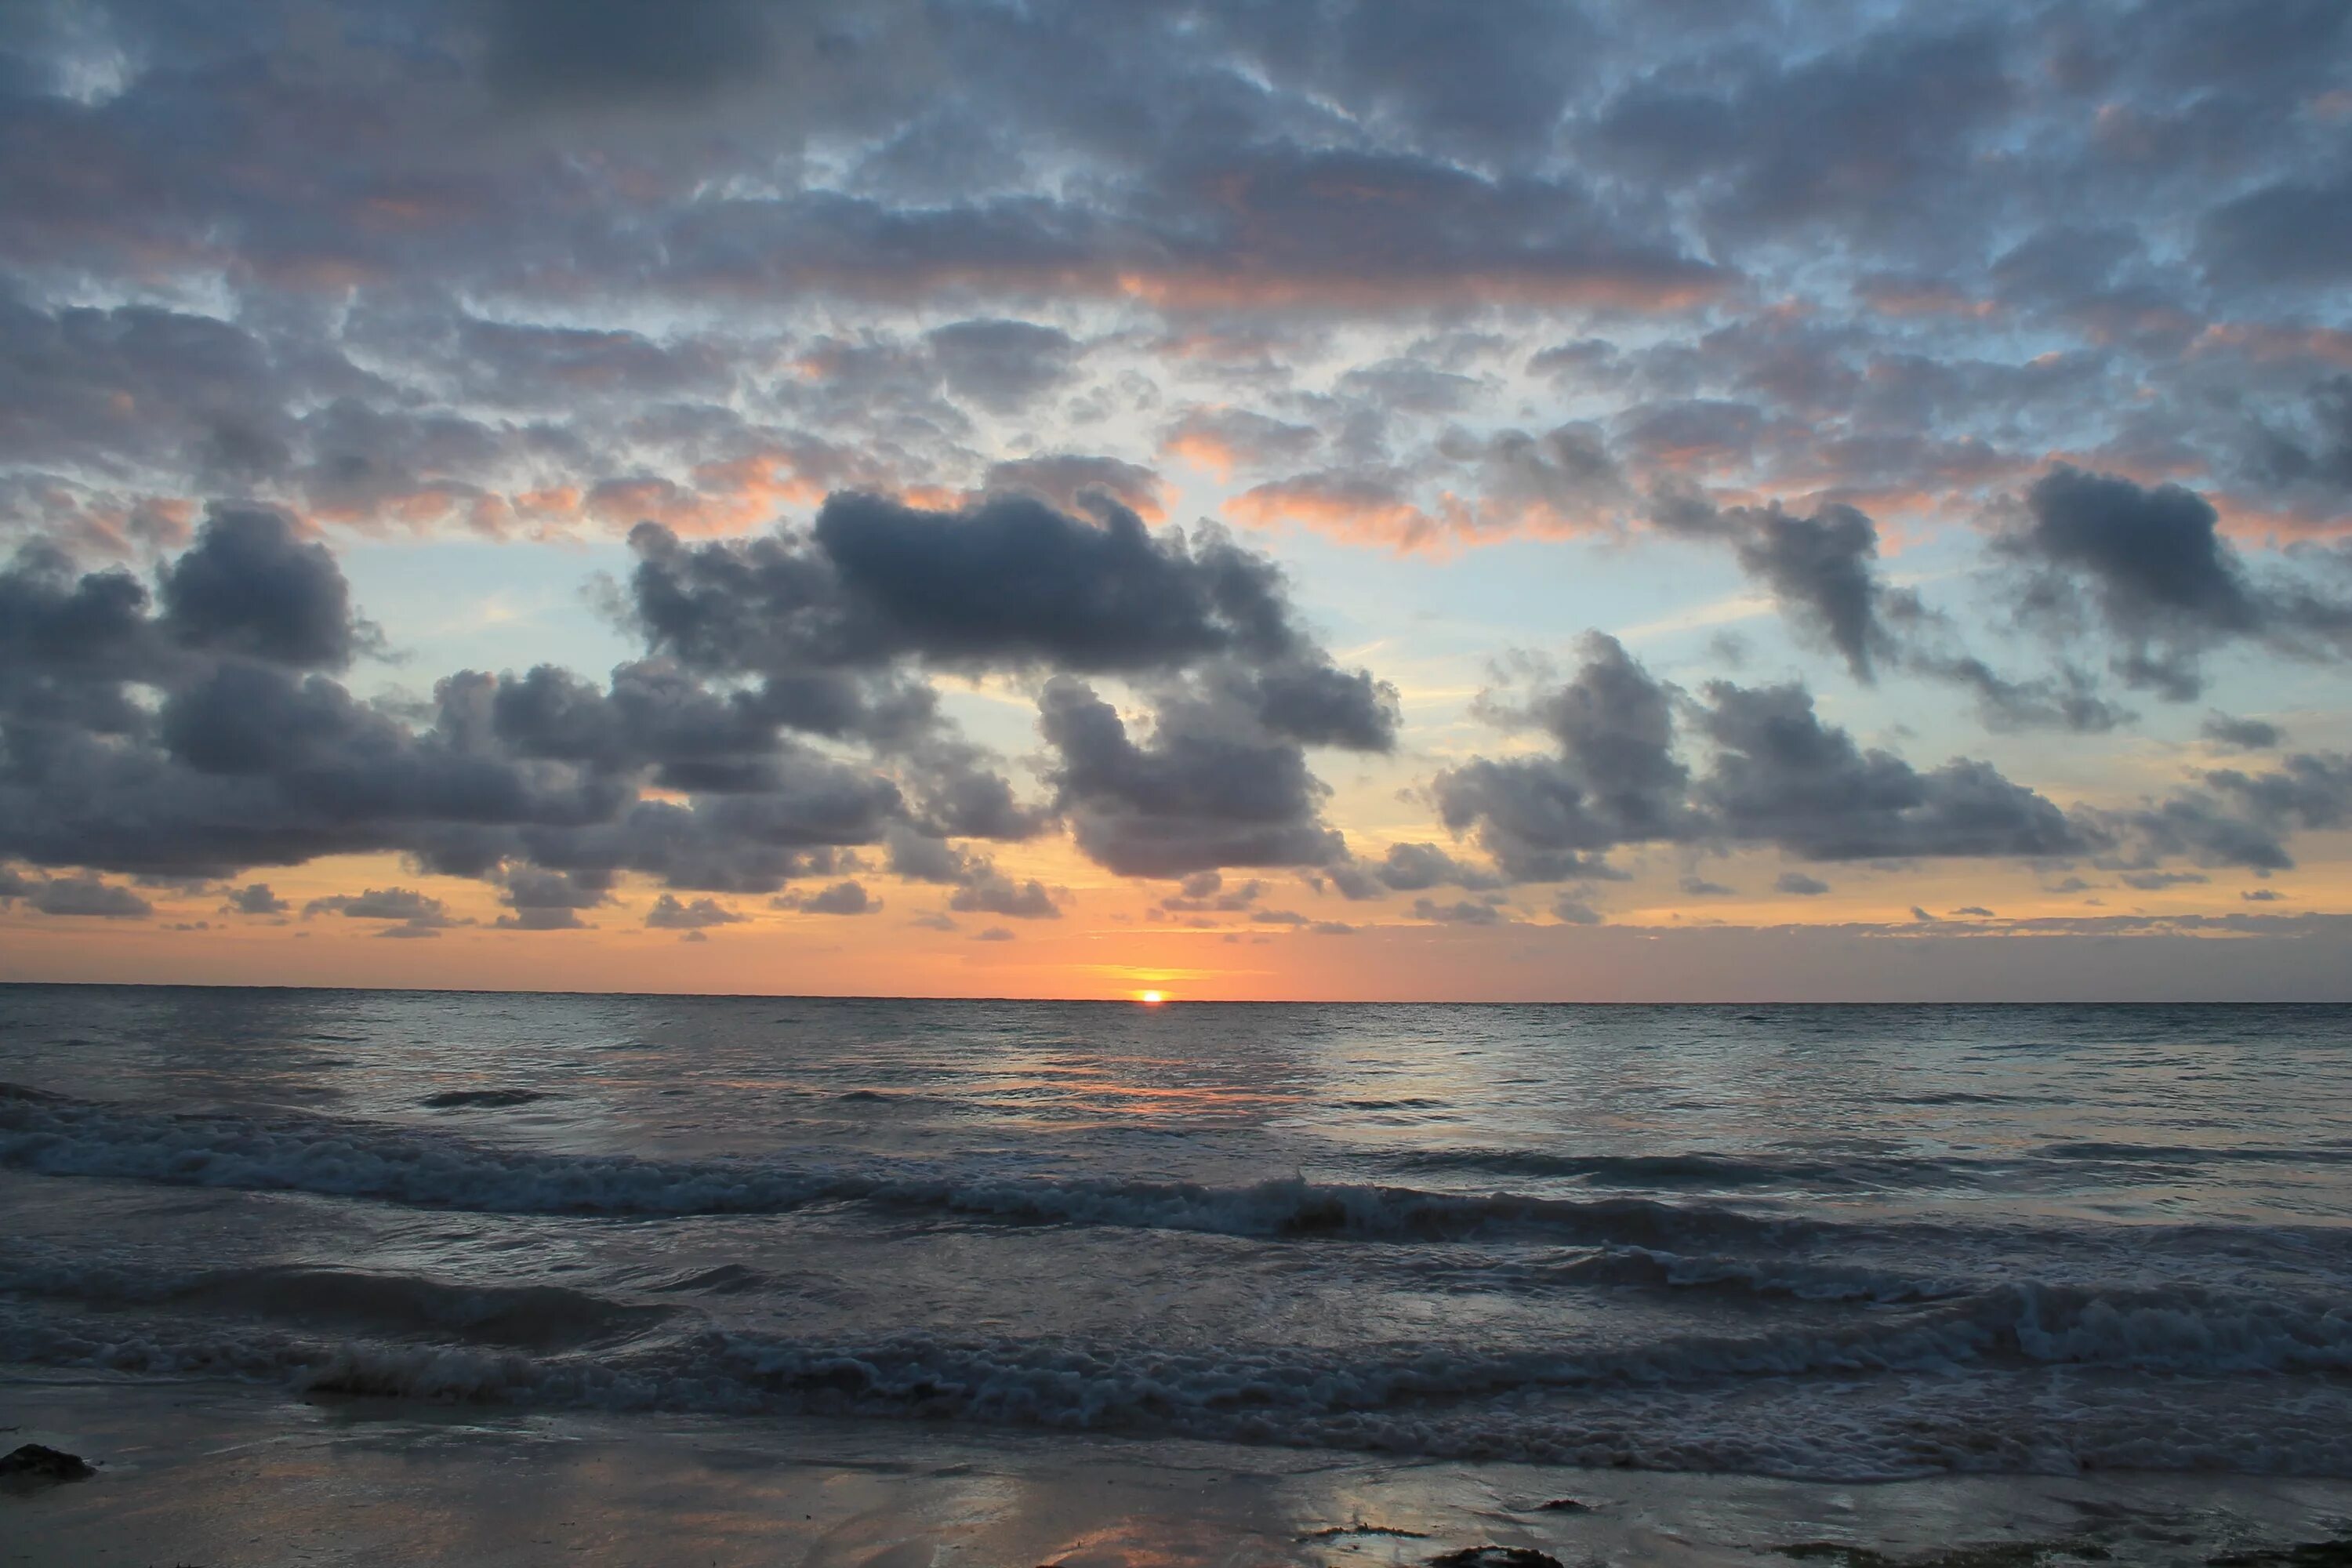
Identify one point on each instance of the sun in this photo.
(1150, 998)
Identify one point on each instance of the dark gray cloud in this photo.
(2242, 734)
(1614, 778)
(250, 586)
(2068, 699)
(1014, 583)
(1416, 867)
(381, 904)
(88, 896)
(595, 51)
(1799, 884)
(1077, 484)
(551, 900)
(1783, 777)
(254, 899)
(988, 891)
(2228, 816)
(1462, 911)
(2151, 564)
(1863, 136)
(2293, 232)
(841, 899)
(874, 581)
(528, 267)
(1207, 790)
(2310, 451)
(238, 758)
(1778, 775)
(1206, 892)
(1819, 569)
(1571, 910)
(1001, 364)
(669, 913)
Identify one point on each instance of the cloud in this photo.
(1822, 572)
(669, 913)
(2242, 734)
(595, 51)
(2152, 566)
(1612, 779)
(526, 270)
(254, 899)
(995, 934)
(88, 896)
(875, 580)
(1081, 484)
(2227, 817)
(1819, 569)
(1227, 439)
(551, 900)
(1001, 365)
(404, 904)
(1778, 776)
(1413, 867)
(1781, 776)
(841, 899)
(536, 780)
(1798, 885)
(1462, 911)
(997, 895)
(2295, 231)
(1208, 789)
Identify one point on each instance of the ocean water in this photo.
(1850, 1243)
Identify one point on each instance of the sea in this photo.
(1829, 1243)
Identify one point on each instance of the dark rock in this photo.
(1497, 1557)
(459, 1098)
(1333, 1532)
(33, 1462)
(2304, 1554)
(1564, 1505)
(1997, 1554)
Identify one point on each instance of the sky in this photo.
(1676, 499)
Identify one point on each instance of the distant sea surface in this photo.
(1822, 1242)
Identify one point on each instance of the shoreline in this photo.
(217, 1475)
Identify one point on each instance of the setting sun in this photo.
(1150, 998)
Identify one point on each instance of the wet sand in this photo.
(233, 1476)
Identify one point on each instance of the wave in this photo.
(1692, 1170)
(536, 1317)
(2192, 1154)
(55, 1135)
(1425, 1398)
(51, 1136)
(2069, 1162)
(1793, 1278)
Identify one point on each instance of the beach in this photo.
(222, 1476)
